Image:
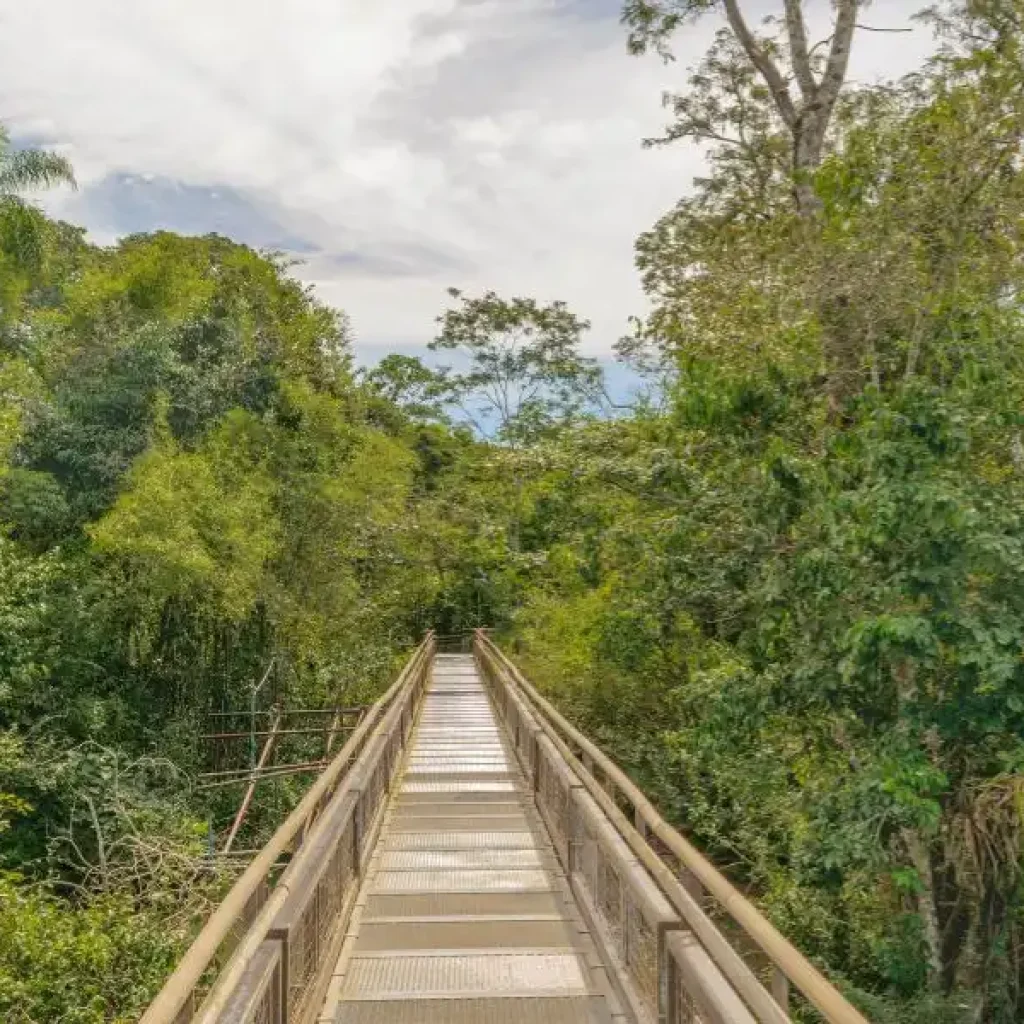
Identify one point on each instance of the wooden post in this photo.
(331, 732)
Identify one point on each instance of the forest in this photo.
(784, 589)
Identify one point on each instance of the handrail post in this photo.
(780, 988)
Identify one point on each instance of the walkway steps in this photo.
(465, 916)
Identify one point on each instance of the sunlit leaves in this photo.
(194, 524)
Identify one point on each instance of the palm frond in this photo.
(33, 168)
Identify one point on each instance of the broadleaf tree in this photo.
(521, 369)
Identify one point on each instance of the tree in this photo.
(24, 169)
(801, 84)
(806, 114)
(524, 371)
(23, 228)
(407, 382)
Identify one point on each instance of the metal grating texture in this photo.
(439, 934)
(459, 841)
(424, 975)
(510, 1010)
(462, 917)
(455, 904)
(441, 806)
(480, 794)
(423, 860)
(461, 881)
(460, 822)
(460, 786)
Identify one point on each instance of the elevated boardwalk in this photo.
(470, 857)
(464, 915)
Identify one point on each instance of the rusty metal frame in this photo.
(243, 807)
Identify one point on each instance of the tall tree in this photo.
(807, 111)
(23, 228)
(407, 382)
(524, 371)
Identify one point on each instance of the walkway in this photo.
(465, 916)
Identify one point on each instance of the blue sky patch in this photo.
(126, 204)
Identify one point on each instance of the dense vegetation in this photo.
(785, 590)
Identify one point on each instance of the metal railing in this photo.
(460, 642)
(264, 955)
(640, 884)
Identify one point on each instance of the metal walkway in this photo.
(470, 857)
(464, 915)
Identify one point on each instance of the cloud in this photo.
(403, 145)
(122, 204)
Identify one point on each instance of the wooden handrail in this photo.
(180, 985)
(807, 979)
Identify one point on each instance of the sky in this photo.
(395, 147)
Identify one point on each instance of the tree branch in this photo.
(839, 55)
(873, 28)
(797, 32)
(763, 62)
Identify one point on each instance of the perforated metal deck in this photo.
(464, 916)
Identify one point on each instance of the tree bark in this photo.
(807, 121)
(920, 857)
(815, 113)
(761, 60)
(796, 29)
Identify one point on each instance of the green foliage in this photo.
(30, 168)
(524, 370)
(406, 382)
(196, 524)
(789, 601)
(192, 487)
(792, 610)
(97, 965)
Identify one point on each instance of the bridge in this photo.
(470, 856)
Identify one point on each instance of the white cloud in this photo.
(494, 143)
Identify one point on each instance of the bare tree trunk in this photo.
(808, 120)
(920, 857)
